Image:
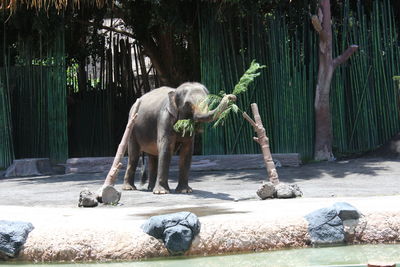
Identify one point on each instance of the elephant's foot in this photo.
(158, 189)
(152, 184)
(150, 187)
(128, 187)
(183, 189)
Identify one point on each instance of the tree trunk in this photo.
(263, 141)
(113, 173)
(327, 65)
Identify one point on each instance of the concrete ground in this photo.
(361, 177)
(225, 201)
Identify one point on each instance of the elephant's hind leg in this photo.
(133, 159)
(153, 165)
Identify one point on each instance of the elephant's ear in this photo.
(171, 107)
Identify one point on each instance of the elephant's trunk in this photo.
(215, 113)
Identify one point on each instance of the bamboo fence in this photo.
(364, 99)
(34, 110)
(99, 106)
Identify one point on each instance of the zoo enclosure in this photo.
(365, 100)
(97, 92)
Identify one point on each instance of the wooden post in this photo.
(108, 193)
(263, 141)
(113, 173)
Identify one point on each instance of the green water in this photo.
(333, 256)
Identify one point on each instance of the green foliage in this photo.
(247, 78)
(184, 126)
(188, 126)
(211, 101)
(241, 87)
(224, 115)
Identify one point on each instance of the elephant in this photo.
(157, 112)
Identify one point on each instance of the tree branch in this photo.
(316, 21)
(345, 56)
(316, 24)
(250, 120)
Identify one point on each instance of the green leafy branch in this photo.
(248, 78)
(185, 126)
(212, 101)
(241, 87)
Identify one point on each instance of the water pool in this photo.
(358, 255)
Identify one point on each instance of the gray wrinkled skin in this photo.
(153, 134)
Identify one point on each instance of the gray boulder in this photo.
(267, 190)
(296, 190)
(281, 190)
(178, 239)
(87, 199)
(177, 230)
(326, 225)
(346, 211)
(12, 237)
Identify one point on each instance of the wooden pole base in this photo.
(110, 195)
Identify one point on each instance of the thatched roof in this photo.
(13, 5)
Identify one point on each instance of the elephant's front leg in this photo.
(165, 148)
(185, 160)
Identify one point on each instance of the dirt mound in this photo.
(389, 150)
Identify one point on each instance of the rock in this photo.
(325, 227)
(87, 199)
(346, 211)
(332, 225)
(296, 190)
(281, 190)
(267, 190)
(30, 167)
(177, 230)
(327, 235)
(12, 237)
(284, 191)
(178, 239)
